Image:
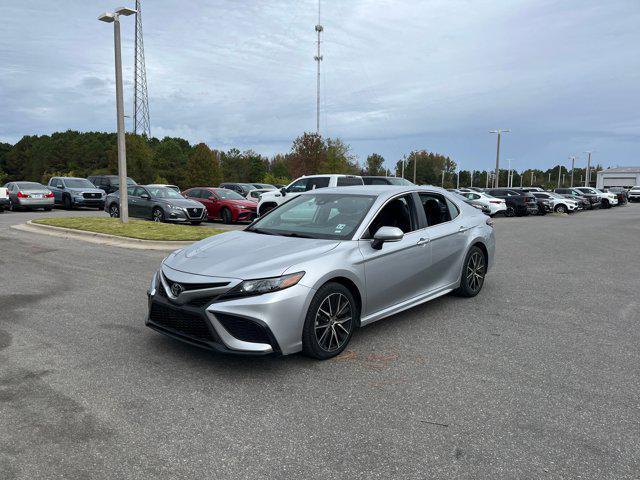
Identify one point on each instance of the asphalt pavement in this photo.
(537, 377)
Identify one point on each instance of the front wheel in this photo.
(330, 321)
(473, 273)
(561, 208)
(114, 211)
(66, 203)
(510, 212)
(226, 216)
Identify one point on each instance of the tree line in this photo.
(174, 160)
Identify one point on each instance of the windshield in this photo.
(163, 192)
(116, 181)
(30, 186)
(229, 194)
(328, 215)
(78, 183)
(555, 195)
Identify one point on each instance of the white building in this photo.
(618, 177)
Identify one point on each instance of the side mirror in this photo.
(386, 234)
(283, 191)
(145, 196)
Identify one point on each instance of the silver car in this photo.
(30, 195)
(306, 275)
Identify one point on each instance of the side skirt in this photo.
(410, 303)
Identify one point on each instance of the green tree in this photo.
(139, 159)
(338, 158)
(202, 167)
(429, 168)
(308, 154)
(170, 161)
(375, 165)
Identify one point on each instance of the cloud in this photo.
(396, 74)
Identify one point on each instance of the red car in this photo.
(223, 204)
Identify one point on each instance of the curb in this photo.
(101, 238)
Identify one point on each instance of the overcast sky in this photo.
(398, 75)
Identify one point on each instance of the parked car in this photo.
(583, 202)
(223, 204)
(529, 189)
(634, 194)
(377, 180)
(265, 186)
(594, 200)
(172, 187)
(254, 195)
(70, 192)
(160, 204)
(305, 276)
(607, 199)
(483, 208)
(270, 200)
(109, 183)
(518, 203)
(556, 202)
(4, 198)
(29, 195)
(621, 193)
(241, 188)
(495, 205)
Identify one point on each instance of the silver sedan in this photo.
(305, 276)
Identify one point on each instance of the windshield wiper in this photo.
(294, 234)
(259, 230)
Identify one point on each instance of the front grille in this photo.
(196, 302)
(180, 321)
(194, 212)
(195, 286)
(92, 195)
(244, 329)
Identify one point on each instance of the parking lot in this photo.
(536, 377)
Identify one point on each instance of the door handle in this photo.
(462, 228)
(423, 241)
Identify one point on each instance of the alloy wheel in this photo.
(114, 212)
(475, 271)
(510, 212)
(333, 322)
(158, 216)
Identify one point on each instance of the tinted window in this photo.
(436, 208)
(398, 212)
(29, 186)
(318, 182)
(78, 183)
(375, 181)
(131, 190)
(299, 186)
(347, 181)
(229, 195)
(162, 192)
(453, 210)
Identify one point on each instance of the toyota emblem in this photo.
(177, 289)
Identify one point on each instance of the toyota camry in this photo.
(308, 274)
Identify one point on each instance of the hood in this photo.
(270, 194)
(243, 203)
(180, 202)
(84, 190)
(246, 255)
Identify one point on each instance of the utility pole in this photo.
(587, 176)
(521, 180)
(415, 165)
(403, 160)
(509, 174)
(573, 162)
(471, 183)
(122, 152)
(318, 59)
(559, 172)
(531, 178)
(549, 177)
(442, 179)
(487, 185)
(458, 180)
(499, 132)
(141, 122)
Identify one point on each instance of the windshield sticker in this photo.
(339, 228)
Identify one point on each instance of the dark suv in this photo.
(109, 183)
(594, 200)
(518, 203)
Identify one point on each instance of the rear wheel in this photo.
(473, 273)
(157, 215)
(605, 204)
(330, 322)
(114, 211)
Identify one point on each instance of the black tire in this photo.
(114, 210)
(510, 211)
(473, 272)
(157, 215)
(560, 208)
(66, 202)
(226, 216)
(266, 208)
(195, 224)
(605, 204)
(47, 209)
(323, 342)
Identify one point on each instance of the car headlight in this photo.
(77, 194)
(175, 208)
(265, 285)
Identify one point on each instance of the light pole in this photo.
(122, 152)
(415, 164)
(573, 162)
(471, 182)
(587, 176)
(559, 172)
(499, 132)
(442, 179)
(458, 180)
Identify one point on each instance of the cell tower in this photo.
(141, 124)
(318, 59)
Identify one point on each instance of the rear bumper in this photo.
(35, 202)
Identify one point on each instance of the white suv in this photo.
(608, 199)
(557, 203)
(634, 194)
(270, 200)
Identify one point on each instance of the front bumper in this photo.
(88, 202)
(258, 325)
(182, 216)
(246, 216)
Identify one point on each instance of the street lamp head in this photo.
(107, 17)
(126, 11)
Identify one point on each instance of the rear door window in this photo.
(436, 208)
(317, 182)
(348, 181)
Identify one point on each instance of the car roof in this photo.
(377, 190)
